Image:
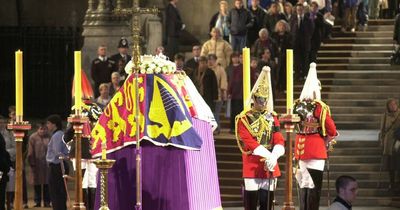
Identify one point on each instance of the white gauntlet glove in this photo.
(271, 162)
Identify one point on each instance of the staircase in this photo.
(356, 75)
(349, 158)
(357, 78)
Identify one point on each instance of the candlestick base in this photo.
(104, 165)
(289, 118)
(77, 119)
(78, 206)
(288, 206)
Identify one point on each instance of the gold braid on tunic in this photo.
(259, 124)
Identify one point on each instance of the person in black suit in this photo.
(174, 26)
(101, 69)
(122, 57)
(193, 63)
(316, 39)
(302, 29)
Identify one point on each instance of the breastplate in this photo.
(309, 124)
(261, 125)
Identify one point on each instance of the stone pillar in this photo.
(151, 32)
(101, 26)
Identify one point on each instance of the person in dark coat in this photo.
(316, 39)
(396, 32)
(193, 62)
(272, 17)
(258, 14)
(174, 26)
(5, 164)
(239, 21)
(122, 57)
(283, 41)
(207, 83)
(101, 69)
(302, 29)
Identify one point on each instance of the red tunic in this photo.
(313, 146)
(252, 167)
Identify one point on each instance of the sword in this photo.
(65, 178)
(328, 169)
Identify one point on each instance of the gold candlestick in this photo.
(19, 128)
(289, 120)
(135, 13)
(104, 165)
(77, 121)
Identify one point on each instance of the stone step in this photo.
(227, 156)
(229, 140)
(363, 184)
(236, 201)
(359, 116)
(333, 166)
(280, 191)
(360, 40)
(362, 34)
(348, 102)
(359, 175)
(355, 67)
(354, 60)
(343, 151)
(365, 87)
(344, 46)
(359, 88)
(349, 125)
(355, 53)
(358, 95)
(365, 110)
(351, 82)
(370, 28)
(371, 22)
(345, 74)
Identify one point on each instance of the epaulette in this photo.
(97, 61)
(324, 111)
(242, 116)
(111, 61)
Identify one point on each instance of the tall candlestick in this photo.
(18, 85)
(78, 83)
(246, 77)
(289, 81)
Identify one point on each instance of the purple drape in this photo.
(173, 179)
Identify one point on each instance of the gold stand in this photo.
(19, 128)
(289, 120)
(104, 165)
(77, 121)
(135, 13)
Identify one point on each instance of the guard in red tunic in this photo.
(261, 143)
(315, 133)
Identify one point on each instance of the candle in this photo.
(78, 83)
(18, 85)
(103, 150)
(246, 77)
(289, 81)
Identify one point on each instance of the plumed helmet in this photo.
(261, 91)
(91, 110)
(262, 88)
(312, 86)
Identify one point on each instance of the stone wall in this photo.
(42, 12)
